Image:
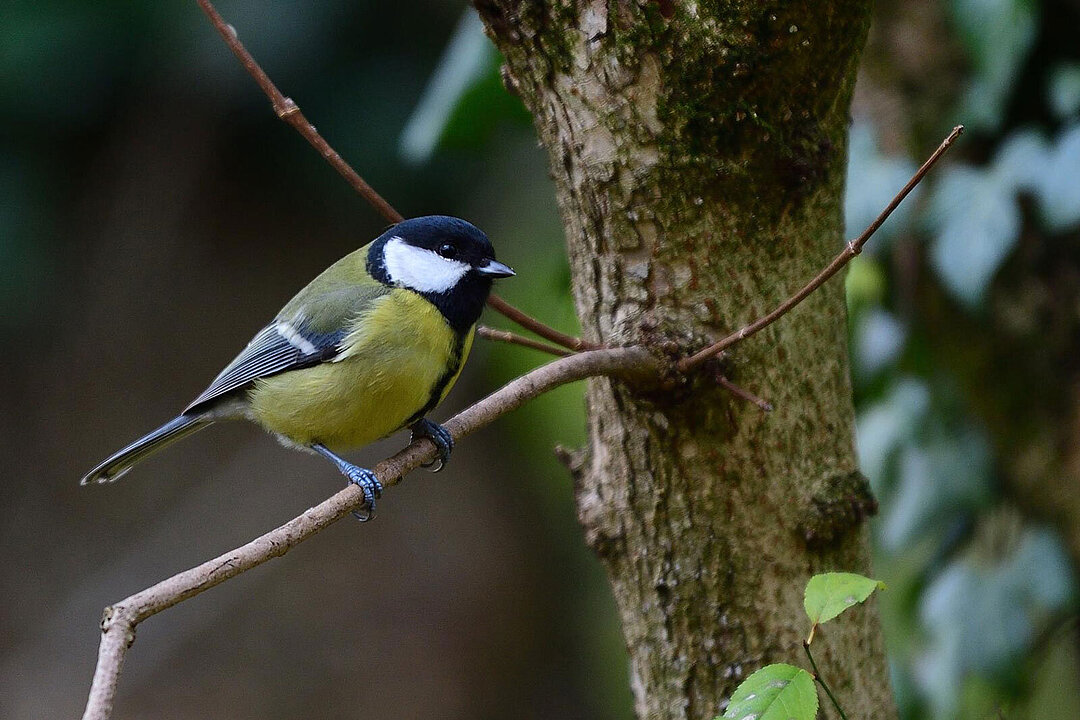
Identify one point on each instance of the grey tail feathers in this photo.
(114, 467)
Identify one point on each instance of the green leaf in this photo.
(982, 613)
(1059, 196)
(976, 223)
(937, 477)
(887, 427)
(877, 341)
(775, 692)
(829, 594)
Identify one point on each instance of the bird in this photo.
(367, 348)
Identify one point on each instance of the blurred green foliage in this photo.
(998, 35)
(975, 217)
(981, 586)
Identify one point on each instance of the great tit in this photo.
(370, 346)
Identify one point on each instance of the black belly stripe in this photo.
(437, 389)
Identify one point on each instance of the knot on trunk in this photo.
(838, 504)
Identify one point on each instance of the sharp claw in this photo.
(366, 479)
(437, 434)
(438, 463)
(372, 489)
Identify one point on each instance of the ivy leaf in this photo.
(937, 478)
(1059, 191)
(886, 427)
(977, 224)
(775, 692)
(829, 594)
(975, 217)
(878, 340)
(981, 615)
(1020, 161)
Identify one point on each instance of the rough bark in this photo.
(698, 156)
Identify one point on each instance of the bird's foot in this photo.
(370, 485)
(363, 477)
(437, 434)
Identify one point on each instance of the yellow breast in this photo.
(396, 354)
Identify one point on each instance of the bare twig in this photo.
(287, 110)
(853, 248)
(743, 393)
(489, 333)
(121, 619)
(529, 323)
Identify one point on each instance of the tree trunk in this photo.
(698, 152)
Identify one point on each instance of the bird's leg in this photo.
(436, 433)
(358, 476)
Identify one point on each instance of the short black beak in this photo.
(495, 269)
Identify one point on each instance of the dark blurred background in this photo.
(154, 214)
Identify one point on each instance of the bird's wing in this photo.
(307, 332)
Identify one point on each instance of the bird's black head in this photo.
(448, 261)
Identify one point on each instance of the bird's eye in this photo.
(448, 250)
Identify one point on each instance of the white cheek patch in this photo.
(419, 269)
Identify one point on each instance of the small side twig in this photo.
(489, 333)
(499, 305)
(742, 393)
(821, 681)
(286, 109)
(853, 248)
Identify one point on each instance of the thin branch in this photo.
(499, 305)
(121, 619)
(289, 111)
(489, 333)
(741, 392)
(853, 248)
(286, 109)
